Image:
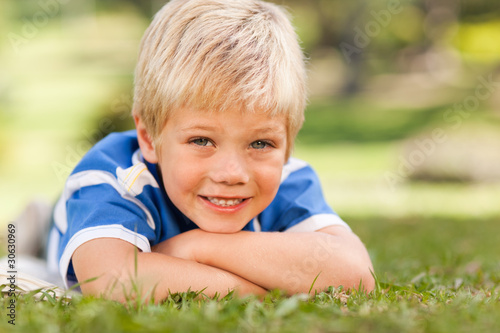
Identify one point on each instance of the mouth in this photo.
(225, 202)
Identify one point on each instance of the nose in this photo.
(229, 168)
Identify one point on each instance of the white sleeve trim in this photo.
(52, 247)
(108, 231)
(256, 225)
(317, 222)
(90, 178)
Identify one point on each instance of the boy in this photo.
(179, 202)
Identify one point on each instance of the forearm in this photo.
(164, 274)
(289, 261)
(126, 273)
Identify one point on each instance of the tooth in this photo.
(224, 202)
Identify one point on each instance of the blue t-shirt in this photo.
(114, 193)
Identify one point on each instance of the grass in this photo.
(386, 310)
(434, 246)
(361, 120)
(437, 271)
(434, 275)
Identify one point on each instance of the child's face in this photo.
(222, 169)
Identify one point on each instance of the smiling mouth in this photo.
(225, 202)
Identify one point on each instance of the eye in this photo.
(203, 142)
(259, 144)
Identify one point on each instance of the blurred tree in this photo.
(479, 10)
(372, 36)
(144, 7)
(336, 20)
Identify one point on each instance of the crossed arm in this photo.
(249, 262)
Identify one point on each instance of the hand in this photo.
(181, 246)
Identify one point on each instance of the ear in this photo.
(145, 142)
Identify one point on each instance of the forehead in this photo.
(190, 118)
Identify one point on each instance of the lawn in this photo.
(434, 275)
(434, 245)
(434, 249)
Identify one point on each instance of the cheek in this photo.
(269, 179)
(180, 178)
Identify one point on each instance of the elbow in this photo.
(360, 277)
(349, 265)
(365, 280)
(357, 275)
(104, 287)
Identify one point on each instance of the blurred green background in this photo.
(403, 119)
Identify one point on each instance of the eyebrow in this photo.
(264, 130)
(270, 129)
(199, 127)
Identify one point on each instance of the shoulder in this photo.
(111, 175)
(299, 204)
(299, 184)
(299, 196)
(293, 166)
(115, 150)
(297, 175)
(116, 160)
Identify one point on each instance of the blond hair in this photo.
(217, 55)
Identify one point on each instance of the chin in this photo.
(220, 229)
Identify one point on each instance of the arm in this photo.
(289, 261)
(113, 262)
